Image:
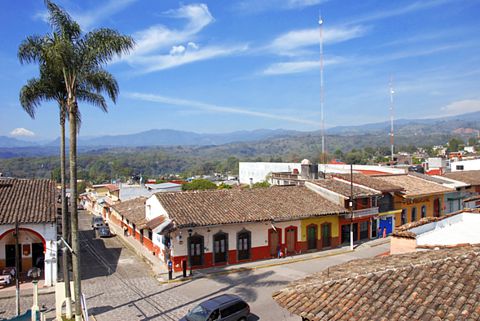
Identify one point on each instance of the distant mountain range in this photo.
(406, 130)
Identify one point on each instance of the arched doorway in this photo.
(244, 241)
(31, 245)
(326, 234)
(273, 241)
(291, 238)
(195, 250)
(220, 247)
(312, 237)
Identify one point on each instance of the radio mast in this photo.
(322, 115)
(391, 121)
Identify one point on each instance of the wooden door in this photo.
(326, 235)
(290, 240)
(273, 239)
(220, 247)
(243, 246)
(196, 250)
(10, 255)
(312, 237)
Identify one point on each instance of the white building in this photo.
(465, 165)
(33, 204)
(430, 233)
(254, 172)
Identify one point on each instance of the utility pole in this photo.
(17, 269)
(391, 121)
(351, 207)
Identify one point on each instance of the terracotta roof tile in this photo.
(202, 208)
(427, 285)
(31, 200)
(133, 210)
(371, 182)
(415, 186)
(469, 177)
(342, 187)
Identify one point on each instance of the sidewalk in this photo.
(157, 266)
(26, 290)
(226, 269)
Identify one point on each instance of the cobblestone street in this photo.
(118, 285)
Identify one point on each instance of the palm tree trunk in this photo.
(77, 287)
(65, 221)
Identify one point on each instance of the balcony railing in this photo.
(362, 213)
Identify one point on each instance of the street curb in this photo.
(13, 295)
(257, 267)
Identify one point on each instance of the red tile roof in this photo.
(426, 285)
(202, 208)
(133, 210)
(30, 200)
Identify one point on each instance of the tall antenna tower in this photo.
(391, 120)
(322, 115)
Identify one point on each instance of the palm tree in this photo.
(80, 60)
(51, 87)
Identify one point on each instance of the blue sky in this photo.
(220, 66)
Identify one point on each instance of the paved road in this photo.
(120, 286)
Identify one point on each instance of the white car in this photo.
(6, 277)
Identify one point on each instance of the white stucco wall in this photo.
(153, 208)
(327, 194)
(259, 235)
(49, 232)
(468, 165)
(459, 229)
(259, 170)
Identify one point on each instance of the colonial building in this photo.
(385, 221)
(365, 210)
(33, 205)
(418, 199)
(432, 285)
(437, 232)
(211, 228)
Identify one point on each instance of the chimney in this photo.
(251, 182)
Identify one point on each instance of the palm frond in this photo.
(61, 21)
(102, 45)
(32, 49)
(102, 81)
(92, 98)
(32, 95)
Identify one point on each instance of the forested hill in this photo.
(106, 163)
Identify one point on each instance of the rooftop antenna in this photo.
(322, 115)
(391, 121)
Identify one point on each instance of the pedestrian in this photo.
(125, 231)
(279, 251)
(379, 232)
(384, 232)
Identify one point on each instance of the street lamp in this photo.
(190, 254)
(35, 273)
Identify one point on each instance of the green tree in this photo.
(79, 59)
(454, 144)
(472, 141)
(199, 184)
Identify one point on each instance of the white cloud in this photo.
(462, 107)
(161, 62)
(216, 108)
(293, 67)
(416, 6)
(291, 42)
(160, 37)
(22, 132)
(177, 50)
(192, 45)
(90, 18)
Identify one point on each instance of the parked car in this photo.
(225, 307)
(97, 221)
(7, 276)
(104, 231)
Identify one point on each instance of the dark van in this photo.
(225, 307)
